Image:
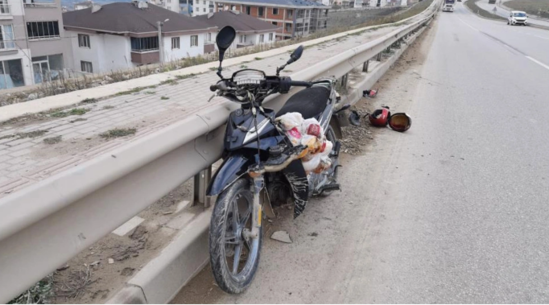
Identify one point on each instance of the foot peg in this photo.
(330, 187)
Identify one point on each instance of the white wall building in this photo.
(172, 5)
(250, 31)
(102, 43)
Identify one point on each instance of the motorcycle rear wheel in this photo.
(331, 136)
(230, 218)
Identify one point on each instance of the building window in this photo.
(324, 23)
(307, 13)
(194, 41)
(290, 13)
(6, 37)
(306, 27)
(175, 43)
(4, 7)
(11, 74)
(144, 44)
(204, 9)
(84, 41)
(233, 8)
(47, 68)
(288, 27)
(43, 29)
(275, 11)
(274, 23)
(326, 13)
(261, 11)
(242, 38)
(270, 36)
(261, 38)
(248, 9)
(209, 37)
(86, 66)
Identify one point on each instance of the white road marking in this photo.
(538, 62)
(509, 47)
(467, 24)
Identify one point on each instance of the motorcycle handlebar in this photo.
(300, 83)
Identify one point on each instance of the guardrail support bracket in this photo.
(201, 181)
(365, 66)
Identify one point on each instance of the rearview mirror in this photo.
(296, 54)
(400, 122)
(224, 39)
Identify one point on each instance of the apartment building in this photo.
(32, 42)
(172, 5)
(250, 31)
(120, 36)
(294, 17)
(203, 7)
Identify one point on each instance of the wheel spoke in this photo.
(246, 216)
(236, 213)
(236, 260)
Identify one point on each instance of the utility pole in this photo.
(160, 42)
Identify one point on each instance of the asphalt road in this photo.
(455, 210)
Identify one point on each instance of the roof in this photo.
(124, 17)
(242, 23)
(285, 3)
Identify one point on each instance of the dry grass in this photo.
(533, 7)
(472, 5)
(118, 132)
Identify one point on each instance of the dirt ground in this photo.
(395, 90)
(91, 276)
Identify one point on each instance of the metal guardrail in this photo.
(75, 208)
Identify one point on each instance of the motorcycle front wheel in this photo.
(234, 259)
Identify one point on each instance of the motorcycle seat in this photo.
(310, 102)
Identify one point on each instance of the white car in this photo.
(448, 8)
(517, 17)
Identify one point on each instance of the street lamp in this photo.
(160, 42)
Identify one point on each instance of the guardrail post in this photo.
(201, 181)
(378, 56)
(344, 79)
(365, 66)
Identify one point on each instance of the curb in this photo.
(162, 278)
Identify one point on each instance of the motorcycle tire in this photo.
(331, 136)
(227, 244)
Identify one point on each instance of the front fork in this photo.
(258, 183)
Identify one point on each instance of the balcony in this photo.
(145, 57)
(40, 4)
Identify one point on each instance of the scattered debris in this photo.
(102, 293)
(111, 261)
(164, 98)
(127, 271)
(138, 233)
(52, 140)
(75, 285)
(63, 268)
(314, 234)
(118, 132)
(282, 236)
(107, 107)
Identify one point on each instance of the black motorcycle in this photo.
(261, 166)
